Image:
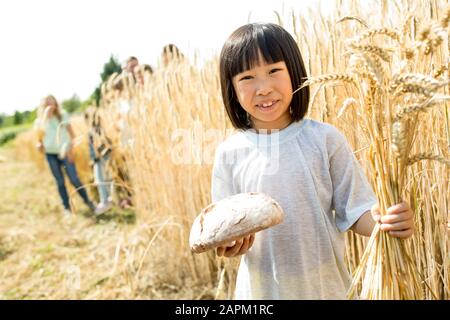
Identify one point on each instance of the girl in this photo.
(57, 144)
(305, 165)
(99, 153)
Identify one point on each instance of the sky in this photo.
(60, 47)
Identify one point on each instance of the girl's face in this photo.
(265, 92)
(51, 103)
(138, 74)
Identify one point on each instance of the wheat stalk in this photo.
(387, 270)
(427, 156)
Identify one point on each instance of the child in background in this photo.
(305, 165)
(128, 68)
(142, 73)
(171, 54)
(99, 152)
(56, 141)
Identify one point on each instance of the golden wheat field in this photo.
(378, 72)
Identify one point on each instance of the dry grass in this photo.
(389, 90)
(43, 256)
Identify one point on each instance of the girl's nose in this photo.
(264, 88)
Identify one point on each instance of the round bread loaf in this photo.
(232, 218)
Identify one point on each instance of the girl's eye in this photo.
(275, 70)
(245, 78)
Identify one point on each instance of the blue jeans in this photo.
(55, 165)
(102, 179)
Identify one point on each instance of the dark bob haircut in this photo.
(241, 52)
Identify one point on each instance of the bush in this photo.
(9, 134)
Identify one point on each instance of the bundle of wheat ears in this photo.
(398, 76)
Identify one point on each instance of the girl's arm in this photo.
(70, 154)
(398, 221)
(71, 133)
(40, 130)
(364, 225)
(353, 194)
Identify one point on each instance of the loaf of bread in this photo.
(233, 218)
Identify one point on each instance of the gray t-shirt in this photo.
(309, 168)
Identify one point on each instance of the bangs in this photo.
(251, 47)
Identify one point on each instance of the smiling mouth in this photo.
(267, 105)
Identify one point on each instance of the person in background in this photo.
(128, 68)
(141, 73)
(171, 53)
(123, 100)
(99, 152)
(57, 145)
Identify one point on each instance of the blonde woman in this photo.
(56, 143)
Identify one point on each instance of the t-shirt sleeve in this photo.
(65, 121)
(221, 178)
(65, 118)
(352, 193)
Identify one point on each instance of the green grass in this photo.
(16, 128)
(9, 133)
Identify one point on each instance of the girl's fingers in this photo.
(402, 234)
(252, 239)
(397, 226)
(230, 244)
(375, 211)
(248, 242)
(397, 217)
(231, 252)
(220, 251)
(376, 216)
(237, 247)
(244, 247)
(397, 208)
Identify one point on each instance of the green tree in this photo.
(28, 116)
(32, 116)
(113, 65)
(17, 118)
(87, 103)
(72, 105)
